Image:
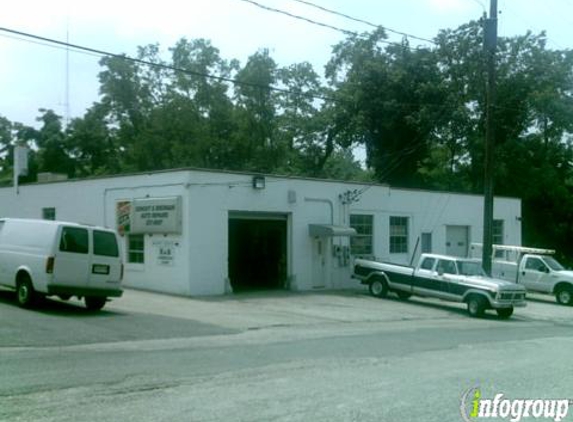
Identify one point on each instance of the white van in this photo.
(43, 258)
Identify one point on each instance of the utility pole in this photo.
(490, 46)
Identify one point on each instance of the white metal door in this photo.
(320, 249)
(457, 240)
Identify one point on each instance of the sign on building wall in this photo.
(156, 215)
(165, 251)
(122, 216)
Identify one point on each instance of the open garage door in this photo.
(257, 251)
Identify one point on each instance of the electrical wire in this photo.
(311, 21)
(50, 42)
(343, 15)
(101, 53)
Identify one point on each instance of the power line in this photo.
(343, 15)
(480, 3)
(50, 42)
(101, 53)
(62, 45)
(308, 20)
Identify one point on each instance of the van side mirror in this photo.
(440, 271)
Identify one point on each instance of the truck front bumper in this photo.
(498, 304)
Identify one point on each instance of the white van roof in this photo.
(53, 222)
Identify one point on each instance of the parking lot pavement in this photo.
(353, 307)
(262, 316)
(56, 323)
(544, 308)
(251, 311)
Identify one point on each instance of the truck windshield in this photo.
(553, 264)
(470, 268)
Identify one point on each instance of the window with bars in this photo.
(361, 244)
(398, 234)
(136, 248)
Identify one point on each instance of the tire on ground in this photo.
(378, 287)
(25, 293)
(564, 295)
(476, 305)
(95, 303)
(505, 312)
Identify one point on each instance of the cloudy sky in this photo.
(33, 76)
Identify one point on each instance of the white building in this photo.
(200, 232)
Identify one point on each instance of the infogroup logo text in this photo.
(474, 407)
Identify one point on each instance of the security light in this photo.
(258, 182)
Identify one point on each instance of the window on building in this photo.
(497, 236)
(497, 230)
(105, 244)
(49, 213)
(135, 248)
(398, 234)
(74, 240)
(361, 244)
(426, 242)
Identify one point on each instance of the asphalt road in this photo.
(337, 356)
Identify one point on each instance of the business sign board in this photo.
(156, 215)
(123, 217)
(166, 251)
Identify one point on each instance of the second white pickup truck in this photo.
(533, 268)
(444, 277)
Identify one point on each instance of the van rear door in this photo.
(105, 268)
(72, 258)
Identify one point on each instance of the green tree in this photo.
(92, 144)
(390, 99)
(257, 113)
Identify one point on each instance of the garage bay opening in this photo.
(257, 251)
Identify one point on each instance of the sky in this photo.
(34, 76)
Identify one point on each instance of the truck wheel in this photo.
(95, 303)
(404, 295)
(564, 296)
(25, 293)
(476, 306)
(504, 312)
(378, 287)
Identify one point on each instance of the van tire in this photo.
(476, 306)
(25, 294)
(95, 303)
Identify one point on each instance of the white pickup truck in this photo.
(533, 268)
(444, 277)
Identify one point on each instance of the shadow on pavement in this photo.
(450, 307)
(56, 307)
